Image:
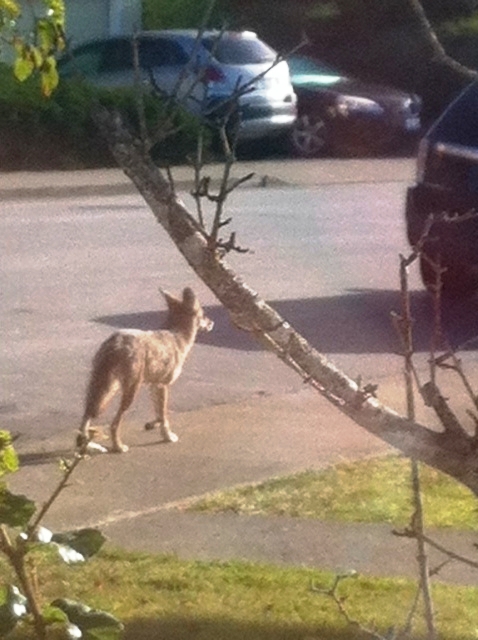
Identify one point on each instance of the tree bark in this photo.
(451, 451)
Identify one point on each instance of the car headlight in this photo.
(349, 105)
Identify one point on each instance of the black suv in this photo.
(447, 182)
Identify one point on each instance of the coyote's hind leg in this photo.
(98, 398)
(127, 397)
(159, 396)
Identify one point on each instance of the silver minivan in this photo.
(211, 74)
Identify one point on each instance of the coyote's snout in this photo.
(129, 358)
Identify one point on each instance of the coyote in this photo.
(131, 357)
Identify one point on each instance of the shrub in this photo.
(58, 133)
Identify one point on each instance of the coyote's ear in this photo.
(170, 299)
(189, 297)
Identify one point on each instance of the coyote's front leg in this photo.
(159, 396)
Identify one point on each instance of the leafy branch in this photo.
(20, 533)
(35, 53)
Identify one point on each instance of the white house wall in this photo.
(124, 16)
(87, 19)
(91, 19)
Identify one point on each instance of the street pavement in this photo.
(139, 499)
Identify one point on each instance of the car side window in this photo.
(117, 56)
(85, 61)
(161, 52)
(239, 50)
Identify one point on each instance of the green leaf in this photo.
(56, 11)
(43, 535)
(49, 76)
(7, 620)
(12, 608)
(56, 619)
(69, 555)
(8, 456)
(15, 510)
(94, 624)
(73, 632)
(53, 615)
(87, 542)
(37, 57)
(23, 68)
(10, 7)
(46, 35)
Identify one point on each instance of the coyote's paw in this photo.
(95, 447)
(84, 442)
(170, 437)
(119, 448)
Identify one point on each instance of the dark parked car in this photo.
(447, 183)
(338, 114)
(203, 72)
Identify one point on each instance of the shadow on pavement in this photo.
(356, 322)
(45, 457)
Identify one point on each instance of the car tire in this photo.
(459, 281)
(310, 136)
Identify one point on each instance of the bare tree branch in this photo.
(418, 516)
(453, 454)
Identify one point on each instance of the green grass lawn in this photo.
(163, 598)
(372, 490)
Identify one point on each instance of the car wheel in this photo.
(309, 136)
(459, 281)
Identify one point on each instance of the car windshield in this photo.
(239, 49)
(308, 71)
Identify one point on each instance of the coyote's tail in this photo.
(100, 384)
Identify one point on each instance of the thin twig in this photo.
(340, 600)
(451, 554)
(457, 367)
(418, 520)
(198, 166)
(69, 469)
(139, 94)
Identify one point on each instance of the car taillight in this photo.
(212, 74)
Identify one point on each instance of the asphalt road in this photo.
(324, 238)
(325, 254)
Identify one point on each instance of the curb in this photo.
(116, 189)
(66, 191)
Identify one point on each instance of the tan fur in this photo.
(129, 358)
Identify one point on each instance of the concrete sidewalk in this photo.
(282, 172)
(138, 499)
(369, 549)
